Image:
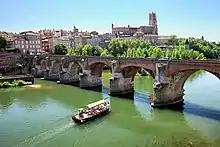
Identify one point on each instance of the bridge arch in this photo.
(55, 66)
(181, 77)
(43, 64)
(73, 67)
(130, 70)
(97, 67)
(175, 69)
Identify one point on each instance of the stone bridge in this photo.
(169, 75)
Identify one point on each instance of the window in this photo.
(22, 46)
(26, 46)
(22, 41)
(30, 46)
(26, 42)
(16, 41)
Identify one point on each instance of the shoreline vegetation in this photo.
(15, 83)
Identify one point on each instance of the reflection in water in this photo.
(40, 117)
(192, 111)
(35, 86)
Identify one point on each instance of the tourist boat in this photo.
(91, 111)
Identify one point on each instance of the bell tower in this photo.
(153, 22)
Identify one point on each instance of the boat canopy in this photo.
(95, 103)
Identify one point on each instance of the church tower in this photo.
(153, 22)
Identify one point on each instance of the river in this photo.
(41, 116)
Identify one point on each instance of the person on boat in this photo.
(81, 111)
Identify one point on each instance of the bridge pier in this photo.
(167, 91)
(170, 75)
(36, 70)
(88, 81)
(52, 70)
(68, 78)
(70, 74)
(166, 96)
(121, 87)
(50, 75)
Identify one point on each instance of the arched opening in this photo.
(74, 68)
(202, 99)
(103, 70)
(142, 79)
(55, 69)
(70, 73)
(43, 64)
(201, 87)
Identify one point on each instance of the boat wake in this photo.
(45, 136)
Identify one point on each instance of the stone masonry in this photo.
(170, 75)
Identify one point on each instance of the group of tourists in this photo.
(93, 111)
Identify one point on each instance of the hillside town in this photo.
(45, 40)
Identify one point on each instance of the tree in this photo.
(87, 50)
(3, 42)
(198, 49)
(202, 38)
(79, 49)
(105, 53)
(60, 49)
(173, 40)
(70, 51)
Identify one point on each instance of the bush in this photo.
(15, 83)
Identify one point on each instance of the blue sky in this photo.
(181, 17)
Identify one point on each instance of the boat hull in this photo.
(82, 121)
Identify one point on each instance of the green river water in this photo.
(41, 116)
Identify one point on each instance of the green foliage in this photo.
(60, 49)
(70, 51)
(104, 53)
(172, 40)
(9, 49)
(210, 50)
(87, 50)
(119, 47)
(198, 49)
(15, 83)
(3, 42)
(143, 72)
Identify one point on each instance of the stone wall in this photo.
(13, 64)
